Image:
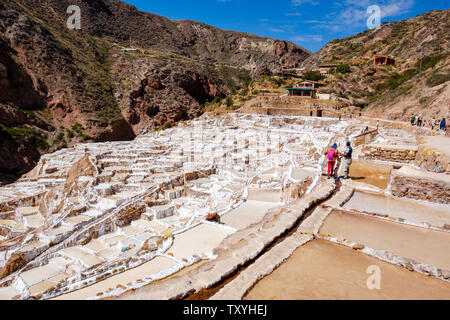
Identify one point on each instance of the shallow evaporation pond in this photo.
(199, 240)
(266, 195)
(422, 245)
(322, 270)
(413, 211)
(152, 267)
(248, 213)
(371, 173)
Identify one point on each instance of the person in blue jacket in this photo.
(443, 125)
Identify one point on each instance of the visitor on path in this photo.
(419, 120)
(433, 123)
(347, 161)
(413, 119)
(332, 155)
(443, 125)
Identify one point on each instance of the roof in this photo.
(310, 81)
(299, 89)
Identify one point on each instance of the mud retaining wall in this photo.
(387, 153)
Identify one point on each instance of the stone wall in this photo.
(432, 160)
(389, 153)
(365, 138)
(420, 186)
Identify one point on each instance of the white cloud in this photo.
(353, 13)
(277, 30)
(308, 38)
(296, 3)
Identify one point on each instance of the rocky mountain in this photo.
(417, 83)
(60, 86)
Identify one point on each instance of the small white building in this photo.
(323, 96)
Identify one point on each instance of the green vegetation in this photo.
(78, 129)
(278, 81)
(217, 100)
(229, 102)
(25, 134)
(167, 125)
(429, 61)
(235, 78)
(70, 134)
(59, 139)
(313, 76)
(244, 92)
(396, 80)
(438, 78)
(343, 68)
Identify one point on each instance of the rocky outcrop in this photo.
(288, 53)
(169, 95)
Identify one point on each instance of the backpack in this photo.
(331, 153)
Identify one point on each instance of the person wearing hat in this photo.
(347, 161)
(332, 155)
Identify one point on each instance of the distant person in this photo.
(419, 120)
(347, 161)
(413, 120)
(443, 125)
(378, 124)
(433, 123)
(332, 155)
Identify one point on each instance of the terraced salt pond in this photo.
(248, 213)
(99, 219)
(370, 172)
(322, 270)
(145, 221)
(419, 244)
(416, 212)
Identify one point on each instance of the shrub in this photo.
(78, 128)
(277, 81)
(229, 102)
(429, 61)
(244, 92)
(438, 78)
(70, 134)
(313, 76)
(396, 80)
(167, 125)
(343, 68)
(26, 134)
(216, 100)
(59, 138)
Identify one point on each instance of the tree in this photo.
(313, 76)
(343, 68)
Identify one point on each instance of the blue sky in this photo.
(309, 23)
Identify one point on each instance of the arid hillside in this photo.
(60, 86)
(417, 83)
